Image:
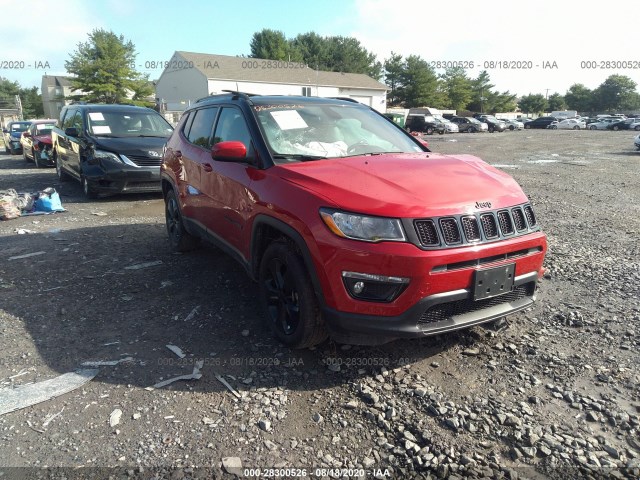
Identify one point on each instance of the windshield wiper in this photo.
(153, 136)
(298, 156)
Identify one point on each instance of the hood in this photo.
(16, 135)
(42, 138)
(137, 146)
(406, 185)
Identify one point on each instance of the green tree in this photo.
(579, 98)
(556, 102)
(458, 88)
(533, 103)
(335, 53)
(393, 68)
(617, 92)
(419, 84)
(103, 68)
(346, 54)
(31, 100)
(32, 106)
(273, 45)
(312, 49)
(481, 88)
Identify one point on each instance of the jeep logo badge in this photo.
(479, 205)
(153, 153)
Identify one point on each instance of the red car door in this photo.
(227, 185)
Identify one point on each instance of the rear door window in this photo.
(201, 129)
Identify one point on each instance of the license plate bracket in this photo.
(492, 282)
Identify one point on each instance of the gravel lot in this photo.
(553, 392)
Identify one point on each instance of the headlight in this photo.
(103, 155)
(361, 227)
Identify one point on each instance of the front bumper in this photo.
(434, 314)
(109, 177)
(440, 294)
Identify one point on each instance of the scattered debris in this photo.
(138, 266)
(226, 384)
(99, 214)
(34, 393)
(195, 375)
(23, 231)
(106, 363)
(232, 465)
(34, 428)
(51, 417)
(114, 418)
(177, 350)
(192, 313)
(26, 255)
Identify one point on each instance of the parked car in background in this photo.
(423, 124)
(11, 136)
(540, 122)
(36, 143)
(470, 124)
(627, 124)
(512, 124)
(350, 226)
(636, 142)
(493, 124)
(110, 148)
(449, 126)
(569, 124)
(602, 123)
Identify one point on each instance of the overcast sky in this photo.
(525, 35)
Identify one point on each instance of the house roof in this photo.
(56, 81)
(224, 67)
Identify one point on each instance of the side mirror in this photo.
(26, 134)
(71, 132)
(229, 151)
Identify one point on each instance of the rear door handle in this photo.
(207, 167)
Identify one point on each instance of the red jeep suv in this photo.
(351, 227)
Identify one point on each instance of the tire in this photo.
(527, 126)
(576, 127)
(87, 189)
(554, 127)
(62, 175)
(492, 130)
(512, 128)
(592, 127)
(637, 128)
(472, 130)
(179, 239)
(408, 130)
(615, 128)
(289, 303)
(429, 131)
(35, 159)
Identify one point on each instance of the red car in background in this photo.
(36, 143)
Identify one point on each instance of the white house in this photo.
(55, 89)
(189, 76)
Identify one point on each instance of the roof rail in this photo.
(235, 95)
(346, 99)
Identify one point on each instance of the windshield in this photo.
(299, 132)
(19, 127)
(474, 120)
(44, 128)
(128, 124)
(491, 119)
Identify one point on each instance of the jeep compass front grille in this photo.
(471, 229)
(489, 225)
(450, 230)
(427, 233)
(467, 229)
(506, 225)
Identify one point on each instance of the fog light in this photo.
(358, 287)
(374, 288)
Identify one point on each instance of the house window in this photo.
(306, 91)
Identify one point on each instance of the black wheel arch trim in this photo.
(295, 237)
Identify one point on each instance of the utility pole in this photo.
(19, 107)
